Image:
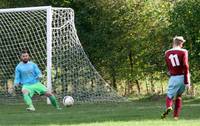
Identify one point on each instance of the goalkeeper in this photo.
(28, 75)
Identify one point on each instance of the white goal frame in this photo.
(49, 37)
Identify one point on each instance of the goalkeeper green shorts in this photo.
(35, 88)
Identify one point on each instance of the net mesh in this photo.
(72, 73)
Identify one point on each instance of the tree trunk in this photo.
(147, 87)
(114, 82)
(152, 85)
(138, 86)
(162, 86)
(113, 74)
(193, 92)
(130, 86)
(127, 88)
(131, 62)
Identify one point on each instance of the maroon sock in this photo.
(178, 105)
(169, 102)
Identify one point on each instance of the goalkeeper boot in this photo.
(31, 108)
(164, 115)
(58, 107)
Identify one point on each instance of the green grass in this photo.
(136, 113)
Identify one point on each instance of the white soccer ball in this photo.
(68, 101)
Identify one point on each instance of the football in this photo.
(68, 101)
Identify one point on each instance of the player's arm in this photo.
(17, 77)
(37, 72)
(186, 68)
(168, 72)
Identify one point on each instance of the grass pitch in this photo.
(135, 113)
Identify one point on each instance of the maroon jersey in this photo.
(177, 63)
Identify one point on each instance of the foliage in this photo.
(124, 36)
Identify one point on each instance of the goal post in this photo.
(49, 49)
(50, 35)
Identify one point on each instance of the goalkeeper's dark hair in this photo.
(25, 51)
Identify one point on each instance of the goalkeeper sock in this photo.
(28, 100)
(54, 101)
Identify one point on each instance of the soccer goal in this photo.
(50, 35)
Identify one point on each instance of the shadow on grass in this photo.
(148, 108)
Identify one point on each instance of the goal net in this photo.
(51, 38)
